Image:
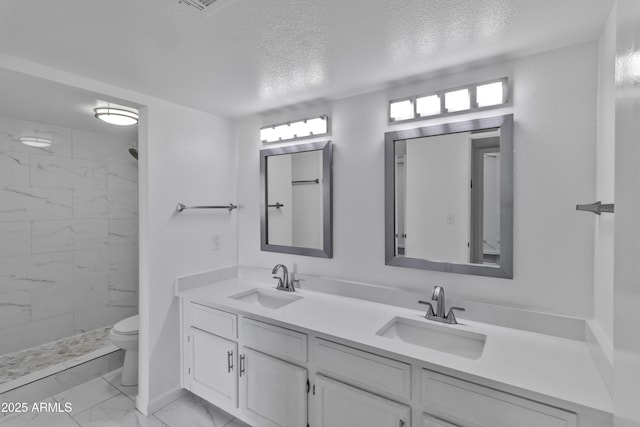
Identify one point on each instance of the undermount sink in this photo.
(438, 337)
(266, 298)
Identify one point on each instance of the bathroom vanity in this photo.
(274, 358)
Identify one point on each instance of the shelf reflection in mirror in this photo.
(296, 199)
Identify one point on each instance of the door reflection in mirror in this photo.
(448, 197)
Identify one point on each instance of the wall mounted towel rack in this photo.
(307, 181)
(596, 207)
(182, 206)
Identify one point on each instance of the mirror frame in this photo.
(505, 267)
(327, 200)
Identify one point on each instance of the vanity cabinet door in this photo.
(273, 392)
(339, 405)
(211, 369)
(429, 421)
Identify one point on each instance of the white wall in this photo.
(437, 198)
(627, 227)
(605, 171)
(601, 337)
(190, 158)
(554, 97)
(184, 156)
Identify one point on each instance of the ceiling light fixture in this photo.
(36, 141)
(116, 116)
(472, 97)
(295, 130)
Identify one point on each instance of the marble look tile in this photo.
(191, 410)
(123, 290)
(123, 282)
(61, 172)
(91, 317)
(14, 169)
(118, 411)
(116, 360)
(122, 177)
(40, 418)
(123, 298)
(32, 271)
(12, 129)
(15, 308)
(87, 395)
(15, 238)
(92, 203)
(101, 146)
(123, 232)
(34, 333)
(54, 236)
(96, 203)
(123, 204)
(237, 423)
(58, 382)
(114, 379)
(32, 204)
(62, 298)
(107, 261)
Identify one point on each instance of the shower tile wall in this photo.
(68, 234)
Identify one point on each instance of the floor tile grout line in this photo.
(96, 404)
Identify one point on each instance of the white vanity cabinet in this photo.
(429, 421)
(209, 354)
(273, 393)
(273, 388)
(272, 374)
(210, 366)
(467, 404)
(248, 368)
(340, 405)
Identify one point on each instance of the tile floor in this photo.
(103, 402)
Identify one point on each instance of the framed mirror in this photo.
(449, 197)
(296, 199)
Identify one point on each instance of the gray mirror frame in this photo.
(327, 199)
(505, 268)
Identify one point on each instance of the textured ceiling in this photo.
(256, 55)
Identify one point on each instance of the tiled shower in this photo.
(68, 233)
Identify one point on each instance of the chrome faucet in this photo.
(438, 315)
(283, 282)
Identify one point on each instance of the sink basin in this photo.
(266, 298)
(438, 337)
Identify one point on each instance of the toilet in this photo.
(124, 335)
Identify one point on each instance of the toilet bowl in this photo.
(124, 335)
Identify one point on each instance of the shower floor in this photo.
(40, 358)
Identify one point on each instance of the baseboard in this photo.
(150, 407)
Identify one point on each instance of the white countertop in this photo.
(530, 363)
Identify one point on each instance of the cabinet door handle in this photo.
(241, 364)
(229, 361)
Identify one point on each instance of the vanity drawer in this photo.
(274, 340)
(468, 404)
(212, 320)
(367, 370)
